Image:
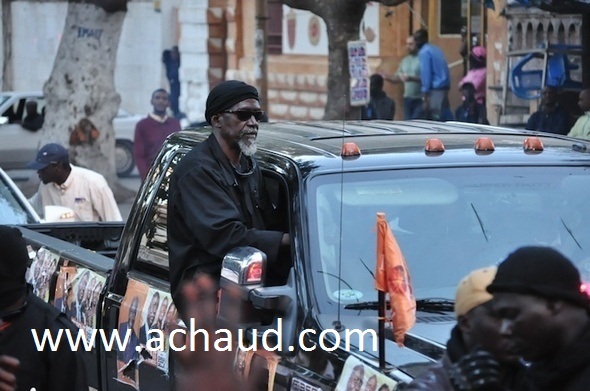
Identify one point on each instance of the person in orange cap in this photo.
(477, 332)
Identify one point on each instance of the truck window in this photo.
(152, 255)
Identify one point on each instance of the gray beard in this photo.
(247, 149)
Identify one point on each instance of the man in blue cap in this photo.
(84, 191)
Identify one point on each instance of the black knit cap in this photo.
(14, 261)
(226, 94)
(540, 271)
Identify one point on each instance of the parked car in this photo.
(457, 197)
(19, 146)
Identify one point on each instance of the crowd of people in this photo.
(426, 78)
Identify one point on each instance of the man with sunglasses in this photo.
(217, 199)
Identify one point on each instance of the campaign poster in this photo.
(130, 321)
(359, 73)
(357, 375)
(77, 293)
(41, 272)
(159, 319)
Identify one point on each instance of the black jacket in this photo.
(436, 377)
(212, 209)
(62, 369)
(568, 371)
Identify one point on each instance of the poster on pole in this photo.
(359, 73)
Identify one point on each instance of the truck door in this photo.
(139, 303)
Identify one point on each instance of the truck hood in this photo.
(424, 343)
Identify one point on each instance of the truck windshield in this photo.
(447, 221)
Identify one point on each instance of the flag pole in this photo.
(381, 333)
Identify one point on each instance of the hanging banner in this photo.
(359, 73)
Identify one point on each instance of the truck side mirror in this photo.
(246, 304)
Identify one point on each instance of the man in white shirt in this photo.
(84, 191)
(581, 128)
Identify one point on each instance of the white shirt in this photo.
(86, 192)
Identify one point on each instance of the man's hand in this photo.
(8, 367)
(478, 371)
(204, 370)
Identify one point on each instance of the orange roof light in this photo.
(434, 145)
(532, 144)
(350, 150)
(484, 144)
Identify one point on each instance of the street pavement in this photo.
(28, 182)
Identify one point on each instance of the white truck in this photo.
(19, 145)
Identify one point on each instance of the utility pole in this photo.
(260, 57)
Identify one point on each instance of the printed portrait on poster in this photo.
(130, 319)
(41, 272)
(159, 319)
(77, 292)
(357, 375)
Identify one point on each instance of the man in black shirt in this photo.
(21, 313)
(551, 116)
(218, 200)
(33, 120)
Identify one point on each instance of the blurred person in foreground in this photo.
(84, 191)
(477, 328)
(21, 312)
(545, 316)
(200, 369)
(8, 368)
(551, 117)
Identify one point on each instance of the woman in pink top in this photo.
(477, 73)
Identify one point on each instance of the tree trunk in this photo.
(343, 23)
(81, 87)
(7, 45)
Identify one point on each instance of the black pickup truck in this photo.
(457, 197)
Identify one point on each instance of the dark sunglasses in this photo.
(245, 115)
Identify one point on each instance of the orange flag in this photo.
(392, 276)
